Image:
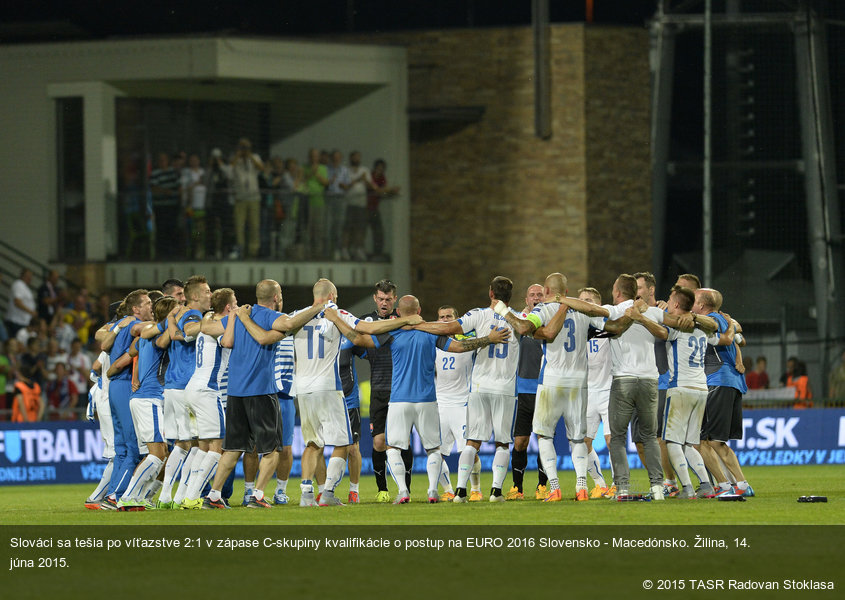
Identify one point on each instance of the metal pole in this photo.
(707, 199)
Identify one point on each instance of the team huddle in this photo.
(189, 382)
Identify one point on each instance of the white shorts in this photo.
(683, 415)
(177, 417)
(490, 415)
(401, 416)
(101, 403)
(453, 425)
(324, 418)
(555, 402)
(597, 403)
(209, 411)
(147, 415)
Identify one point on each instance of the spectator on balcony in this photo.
(757, 379)
(193, 183)
(336, 206)
(836, 381)
(21, 304)
(293, 195)
(245, 170)
(380, 189)
(356, 206)
(316, 180)
(165, 181)
(219, 218)
(272, 212)
(48, 296)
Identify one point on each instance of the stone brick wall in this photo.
(491, 198)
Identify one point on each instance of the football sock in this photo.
(334, 472)
(321, 487)
(306, 487)
(500, 466)
(434, 466)
(548, 456)
(152, 488)
(202, 474)
(465, 463)
(519, 460)
(187, 470)
(444, 477)
(147, 470)
(281, 486)
(379, 461)
(579, 461)
(679, 463)
(554, 484)
(171, 471)
(408, 460)
(100, 490)
(353, 487)
(396, 466)
(214, 495)
(742, 485)
(669, 482)
(696, 463)
(475, 474)
(258, 494)
(594, 469)
(249, 486)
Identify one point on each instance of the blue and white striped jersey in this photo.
(283, 366)
(212, 365)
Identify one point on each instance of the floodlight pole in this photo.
(707, 196)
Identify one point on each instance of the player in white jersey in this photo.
(453, 373)
(283, 374)
(98, 403)
(206, 395)
(598, 397)
(491, 407)
(686, 395)
(322, 408)
(561, 389)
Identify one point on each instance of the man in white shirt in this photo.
(21, 304)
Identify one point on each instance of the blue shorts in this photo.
(288, 410)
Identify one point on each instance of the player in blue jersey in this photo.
(723, 415)
(127, 455)
(349, 381)
(182, 330)
(253, 421)
(146, 404)
(413, 399)
(206, 392)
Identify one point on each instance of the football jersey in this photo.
(250, 363)
(283, 366)
(212, 365)
(452, 376)
(632, 353)
(182, 355)
(103, 380)
(119, 347)
(494, 371)
(598, 364)
(686, 352)
(348, 373)
(317, 367)
(530, 358)
(565, 358)
(720, 362)
(149, 356)
(413, 354)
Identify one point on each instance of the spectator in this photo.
(6, 375)
(34, 362)
(53, 356)
(79, 365)
(336, 206)
(756, 379)
(62, 395)
(801, 382)
(379, 190)
(100, 313)
(27, 333)
(245, 169)
(4, 335)
(164, 186)
(356, 206)
(48, 296)
(64, 331)
(27, 405)
(790, 369)
(837, 380)
(272, 212)
(316, 180)
(79, 318)
(193, 184)
(219, 205)
(21, 305)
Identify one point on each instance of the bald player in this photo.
(413, 400)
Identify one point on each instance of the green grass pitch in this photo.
(777, 490)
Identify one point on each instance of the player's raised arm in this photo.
(258, 333)
(520, 325)
(653, 327)
(440, 327)
(550, 331)
(288, 323)
(690, 321)
(588, 308)
(358, 338)
(213, 327)
(497, 336)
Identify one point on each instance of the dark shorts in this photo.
(355, 423)
(524, 415)
(723, 415)
(253, 423)
(661, 408)
(378, 412)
